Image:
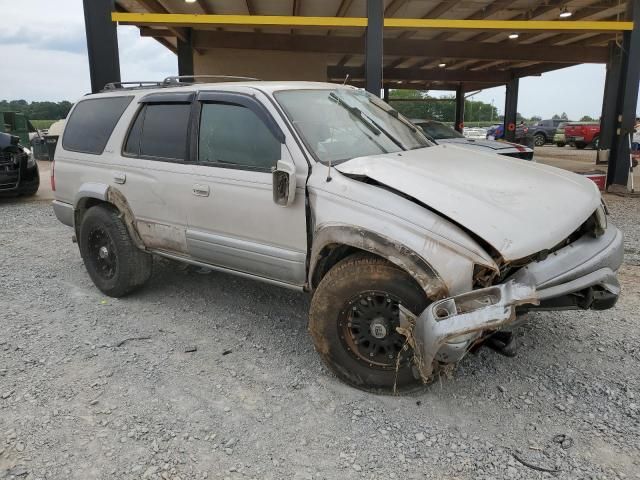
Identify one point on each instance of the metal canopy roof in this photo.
(479, 55)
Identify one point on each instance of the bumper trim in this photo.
(469, 313)
(587, 262)
(64, 212)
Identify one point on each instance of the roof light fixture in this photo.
(564, 13)
(513, 36)
(190, 1)
(442, 65)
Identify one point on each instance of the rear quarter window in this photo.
(92, 122)
(160, 131)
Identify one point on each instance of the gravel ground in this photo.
(212, 376)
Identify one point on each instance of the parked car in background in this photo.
(19, 173)
(325, 188)
(544, 131)
(582, 135)
(441, 133)
(522, 136)
(559, 138)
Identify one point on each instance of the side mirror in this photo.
(284, 183)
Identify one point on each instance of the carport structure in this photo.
(457, 45)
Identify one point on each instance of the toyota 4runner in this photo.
(414, 253)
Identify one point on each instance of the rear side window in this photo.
(160, 130)
(92, 122)
(234, 136)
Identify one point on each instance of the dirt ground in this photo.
(213, 376)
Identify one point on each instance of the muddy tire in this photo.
(114, 263)
(352, 322)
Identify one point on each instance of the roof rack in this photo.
(173, 81)
(223, 78)
(132, 85)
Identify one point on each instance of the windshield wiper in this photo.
(356, 112)
(386, 132)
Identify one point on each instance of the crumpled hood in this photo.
(520, 208)
(489, 144)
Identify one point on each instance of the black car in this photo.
(544, 131)
(19, 173)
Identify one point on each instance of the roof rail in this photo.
(223, 78)
(174, 81)
(131, 85)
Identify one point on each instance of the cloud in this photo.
(70, 39)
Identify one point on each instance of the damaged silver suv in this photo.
(413, 252)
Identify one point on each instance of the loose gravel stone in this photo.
(270, 409)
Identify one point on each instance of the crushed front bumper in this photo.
(580, 275)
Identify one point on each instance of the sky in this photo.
(46, 49)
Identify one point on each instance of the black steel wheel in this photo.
(353, 321)
(103, 252)
(114, 263)
(368, 329)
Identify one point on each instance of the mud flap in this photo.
(442, 321)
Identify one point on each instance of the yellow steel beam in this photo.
(188, 20)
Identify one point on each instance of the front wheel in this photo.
(560, 144)
(595, 143)
(539, 140)
(353, 321)
(114, 263)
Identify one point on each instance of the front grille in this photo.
(9, 170)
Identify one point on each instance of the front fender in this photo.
(382, 246)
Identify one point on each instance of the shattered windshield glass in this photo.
(342, 124)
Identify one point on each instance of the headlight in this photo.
(601, 220)
(31, 160)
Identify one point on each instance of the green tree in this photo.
(419, 104)
(37, 110)
(587, 118)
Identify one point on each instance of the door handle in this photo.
(200, 190)
(119, 177)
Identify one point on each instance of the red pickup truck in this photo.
(582, 134)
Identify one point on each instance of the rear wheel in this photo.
(114, 263)
(539, 139)
(353, 321)
(595, 143)
(580, 145)
(560, 144)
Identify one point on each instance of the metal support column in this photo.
(185, 54)
(373, 50)
(626, 101)
(609, 100)
(459, 126)
(385, 94)
(511, 110)
(102, 43)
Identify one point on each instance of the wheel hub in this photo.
(378, 328)
(102, 253)
(368, 329)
